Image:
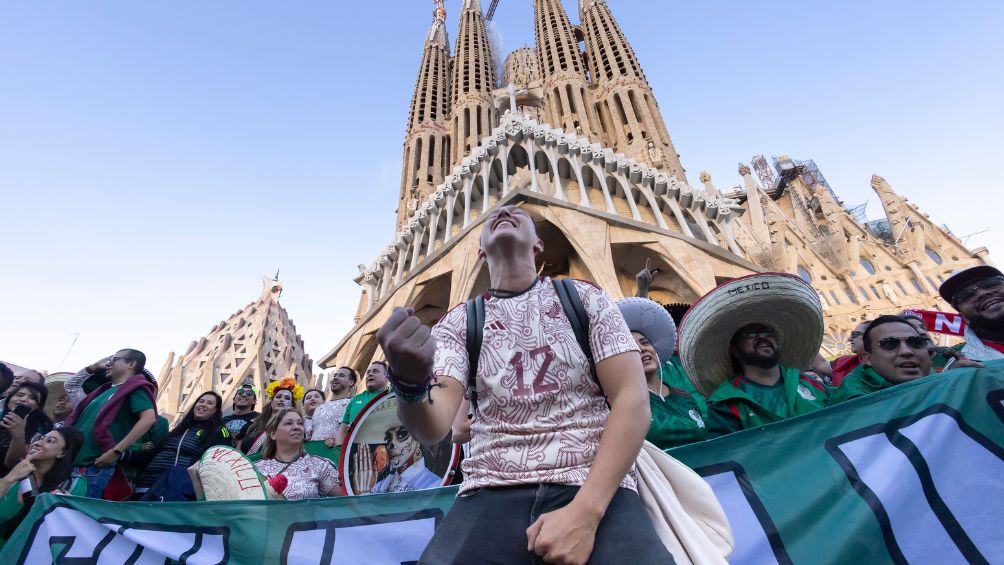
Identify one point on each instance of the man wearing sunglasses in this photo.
(244, 413)
(894, 353)
(978, 294)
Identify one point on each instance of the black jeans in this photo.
(489, 526)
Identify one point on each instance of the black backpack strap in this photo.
(571, 303)
(475, 335)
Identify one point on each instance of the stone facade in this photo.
(257, 344)
(579, 141)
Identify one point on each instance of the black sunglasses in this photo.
(913, 342)
(968, 294)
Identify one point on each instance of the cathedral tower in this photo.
(567, 103)
(473, 81)
(426, 143)
(631, 121)
(256, 345)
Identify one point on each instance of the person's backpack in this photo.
(571, 304)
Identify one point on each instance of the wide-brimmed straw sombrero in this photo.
(651, 320)
(783, 302)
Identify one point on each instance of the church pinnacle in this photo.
(426, 144)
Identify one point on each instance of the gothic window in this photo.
(867, 266)
(933, 255)
(836, 300)
(802, 272)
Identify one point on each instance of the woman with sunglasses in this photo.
(23, 418)
(201, 428)
(292, 472)
(47, 466)
(894, 353)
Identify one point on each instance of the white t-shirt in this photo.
(540, 410)
(328, 418)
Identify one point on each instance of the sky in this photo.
(158, 158)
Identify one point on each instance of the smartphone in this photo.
(22, 411)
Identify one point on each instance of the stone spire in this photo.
(567, 103)
(631, 121)
(897, 212)
(256, 345)
(473, 114)
(757, 219)
(426, 142)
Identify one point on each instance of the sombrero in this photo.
(651, 320)
(784, 302)
(56, 383)
(226, 474)
(371, 428)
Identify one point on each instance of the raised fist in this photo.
(408, 346)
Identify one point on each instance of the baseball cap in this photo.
(966, 277)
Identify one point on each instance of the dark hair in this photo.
(355, 375)
(317, 390)
(35, 421)
(386, 367)
(677, 311)
(268, 448)
(60, 472)
(54, 478)
(6, 377)
(866, 337)
(134, 356)
(214, 424)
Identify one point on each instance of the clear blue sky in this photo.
(157, 158)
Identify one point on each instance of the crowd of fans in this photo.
(99, 434)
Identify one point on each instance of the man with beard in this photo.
(407, 470)
(328, 416)
(376, 382)
(747, 344)
(978, 294)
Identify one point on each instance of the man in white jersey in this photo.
(550, 473)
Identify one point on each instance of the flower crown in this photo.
(285, 384)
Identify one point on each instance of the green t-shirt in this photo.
(357, 404)
(138, 401)
(740, 404)
(678, 417)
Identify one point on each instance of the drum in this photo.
(379, 454)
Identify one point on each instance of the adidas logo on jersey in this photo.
(497, 325)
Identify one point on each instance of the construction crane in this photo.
(491, 9)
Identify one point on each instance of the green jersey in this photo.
(357, 404)
(137, 402)
(740, 404)
(859, 382)
(678, 416)
(353, 409)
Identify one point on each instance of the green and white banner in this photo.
(913, 474)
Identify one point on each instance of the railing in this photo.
(560, 165)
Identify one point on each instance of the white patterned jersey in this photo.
(540, 410)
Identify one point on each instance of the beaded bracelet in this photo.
(407, 392)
